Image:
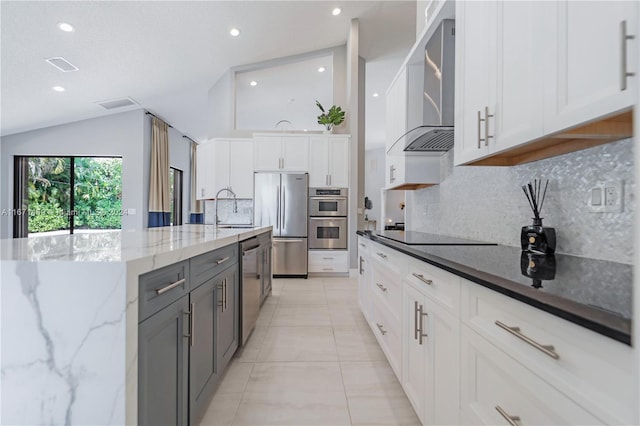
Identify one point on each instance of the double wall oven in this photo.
(328, 218)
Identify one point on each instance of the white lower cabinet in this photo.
(496, 389)
(430, 347)
(448, 341)
(328, 262)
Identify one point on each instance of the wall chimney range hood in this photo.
(435, 135)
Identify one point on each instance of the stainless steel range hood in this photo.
(435, 135)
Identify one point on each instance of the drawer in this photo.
(328, 261)
(157, 289)
(494, 387)
(210, 264)
(387, 288)
(391, 259)
(589, 368)
(439, 285)
(387, 330)
(363, 246)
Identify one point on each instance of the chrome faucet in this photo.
(235, 203)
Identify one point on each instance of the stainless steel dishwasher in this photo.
(250, 286)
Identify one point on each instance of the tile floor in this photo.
(311, 360)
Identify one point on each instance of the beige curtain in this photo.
(197, 215)
(159, 202)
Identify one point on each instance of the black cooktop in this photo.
(414, 238)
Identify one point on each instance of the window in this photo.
(66, 195)
(175, 191)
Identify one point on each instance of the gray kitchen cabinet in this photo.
(163, 351)
(186, 339)
(227, 324)
(203, 366)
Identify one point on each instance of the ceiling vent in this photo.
(62, 64)
(118, 103)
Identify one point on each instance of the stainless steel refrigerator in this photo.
(281, 201)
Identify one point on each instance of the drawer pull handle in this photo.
(381, 287)
(512, 420)
(327, 269)
(422, 278)
(546, 349)
(327, 258)
(382, 255)
(362, 245)
(382, 330)
(162, 290)
(224, 259)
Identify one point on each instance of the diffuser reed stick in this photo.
(535, 197)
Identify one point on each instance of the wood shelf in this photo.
(607, 130)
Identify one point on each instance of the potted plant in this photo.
(334, 117)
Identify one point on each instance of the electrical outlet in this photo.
(607, 197)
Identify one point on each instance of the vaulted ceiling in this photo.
(167, 54)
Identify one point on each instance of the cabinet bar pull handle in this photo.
(360, 266)
(224, 259)
(225, 294)
(329, 179)
(512, 420)
(192, 323)
(421, 314)
(189, 334)
(327, 258)
(382, 330)
(382, 255)
(327, 269)
(381, 287)
(546, 349)
(422, 278)
(221, 301)
(415, 320)
(486, 126)
(623, 55)
(162, 290)
(479, 130)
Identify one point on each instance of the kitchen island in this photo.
(70, 316)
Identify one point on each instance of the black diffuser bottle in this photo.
(537, 238)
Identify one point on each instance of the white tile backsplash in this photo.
(487, 203)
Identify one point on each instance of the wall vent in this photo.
(62, 64)
(118, 103)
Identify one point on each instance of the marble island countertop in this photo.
(123, 246)
(69, 319)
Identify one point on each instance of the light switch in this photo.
(596, 196)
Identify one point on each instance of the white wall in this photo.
(118, 135)
(221, 94)
(374, 181)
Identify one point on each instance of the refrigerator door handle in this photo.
(284, 206)
(277, 208)
(288, 240)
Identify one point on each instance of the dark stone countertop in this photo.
(592, 293)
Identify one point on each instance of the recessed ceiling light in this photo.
(58, 88)
(321, 69)
(234, 32)
(66, 27)
(254, 83)
(375, 95)
(336, 11)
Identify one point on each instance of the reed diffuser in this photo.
(537, 238)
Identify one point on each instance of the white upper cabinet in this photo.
(396, 109)
(499, 72)
(223, 163)
(586, 73)
(528, 71)
(205, 160)
(474, 39)
(329, 161)
(281, 153)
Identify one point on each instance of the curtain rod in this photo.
(153, 115)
